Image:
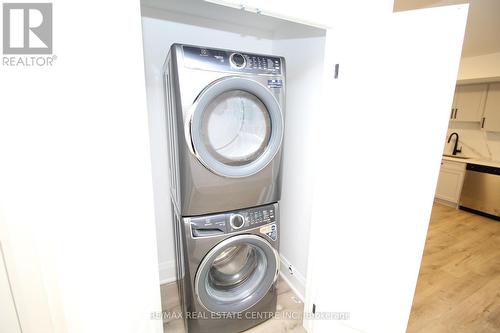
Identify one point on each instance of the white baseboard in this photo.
(293, 277)
(167, 271)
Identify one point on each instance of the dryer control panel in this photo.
(235, 221)
(232, 61)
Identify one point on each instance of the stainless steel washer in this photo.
(227, 269)
(225, 120)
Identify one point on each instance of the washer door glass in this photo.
(236, 127)
(236, 274)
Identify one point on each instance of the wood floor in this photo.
(284, 322)
(458, 289)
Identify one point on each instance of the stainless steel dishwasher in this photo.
(481, 190)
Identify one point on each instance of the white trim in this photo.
(167, 271)
(295, 279)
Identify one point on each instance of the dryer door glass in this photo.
(236, 127)
(236, 274)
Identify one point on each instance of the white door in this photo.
(469, 102)
(491, 120)
(378, 159)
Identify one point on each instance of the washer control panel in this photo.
(258, 216)
(219, 224)
(222, 60)
(263, 63)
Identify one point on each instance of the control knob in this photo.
(237, 221)
(237, 60)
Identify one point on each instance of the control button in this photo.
(236, 221)
(237, 60)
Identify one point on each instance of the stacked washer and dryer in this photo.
(225, 130)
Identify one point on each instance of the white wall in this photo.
(8, 314)
(304, 70)
(76, 199)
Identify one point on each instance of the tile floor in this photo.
(287, 302)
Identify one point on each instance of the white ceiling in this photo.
(482, 35)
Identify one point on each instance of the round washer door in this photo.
(236, 127)
(236, 274)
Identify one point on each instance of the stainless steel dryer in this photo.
(225, 128)
(228, 266)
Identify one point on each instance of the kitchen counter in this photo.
(472, 160)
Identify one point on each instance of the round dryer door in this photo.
(236, 274)
(236, 127)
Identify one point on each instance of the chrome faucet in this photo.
(455, 147)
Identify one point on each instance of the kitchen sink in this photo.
(456, 156)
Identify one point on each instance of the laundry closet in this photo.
(303, 48)
(332, 98)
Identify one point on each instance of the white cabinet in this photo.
(468, 102)
(491, 117)
(450, 181)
